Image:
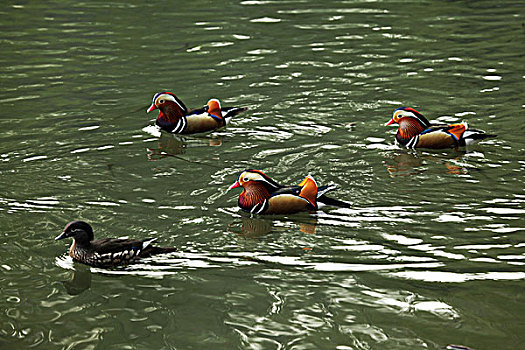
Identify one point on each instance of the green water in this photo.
(431, 252)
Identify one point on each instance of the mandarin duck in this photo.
(106, 252)
(262, 195)
(175, 118)
(415, 131)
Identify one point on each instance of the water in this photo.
(430, 254)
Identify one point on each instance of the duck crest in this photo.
(171, 97)
(412, 113)
(268, 182)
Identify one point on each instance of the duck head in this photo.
(170, 107)
(411, 123)
(252, 177)
(80, 231)
(409, 113)
(257, 189)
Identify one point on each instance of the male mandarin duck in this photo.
(262, 195)
(106, 252)
(415, 131)
(174, 117)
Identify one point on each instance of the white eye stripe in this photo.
(257, 177)
(169, 98)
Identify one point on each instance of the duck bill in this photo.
(390, 122)
(235, 185)
(151, 108)
(60, 236)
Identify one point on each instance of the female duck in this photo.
(106, 252)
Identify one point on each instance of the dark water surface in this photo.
(431, 252)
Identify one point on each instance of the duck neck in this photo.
(252, 195)
(409, 127)
(82, 241)
(169, 117)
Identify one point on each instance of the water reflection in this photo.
(413, 264)
(253, 227)
(403, 164)
(408, 163)
(169, 145)
(80, 281)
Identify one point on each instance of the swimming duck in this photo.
(175, 117)
(106, 252)
(415, 131)
(262, 195)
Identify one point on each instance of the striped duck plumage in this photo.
(415, 131)
(106, 252)
(175, 117)
(262, 195)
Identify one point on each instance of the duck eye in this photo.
(161, 101)
(246, 179)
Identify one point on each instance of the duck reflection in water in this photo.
(172, 145)
(80, 280)
(253, 227)
(405, 163)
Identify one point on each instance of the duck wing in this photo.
(112, 245)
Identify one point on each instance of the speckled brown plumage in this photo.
(106, 252)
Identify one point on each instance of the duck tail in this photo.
(324, 200)
(472, 136)
(322, 190)
(152, 250)
(333, 202)
(148, 249)
(147, 242)
(233, 111)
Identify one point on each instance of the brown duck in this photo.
(106, 252)
(175, 117)
(262, 195)
(415, 131)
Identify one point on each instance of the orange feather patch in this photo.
(457, 130)
(309, 190)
